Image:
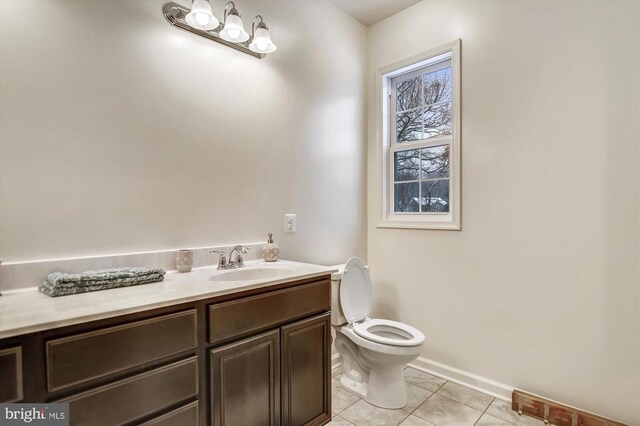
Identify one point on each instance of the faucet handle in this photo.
(222, 262)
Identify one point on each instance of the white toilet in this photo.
(373, 351)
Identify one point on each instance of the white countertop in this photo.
(28, 311)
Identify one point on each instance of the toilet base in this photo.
(385, 389)
(356, 388)
(372, 371)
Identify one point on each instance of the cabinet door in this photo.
(11, 374)
(245, 382)
(306, 371)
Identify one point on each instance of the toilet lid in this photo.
(356, 295)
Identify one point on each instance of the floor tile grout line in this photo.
(350, 405)
(461, 403)
(341, 411)
(347, 420)
(439, 387)
(429, 397)
(473, 408)
(488, 414)
(484, 412)
(432, 392)
(467, 405)
(448, 381)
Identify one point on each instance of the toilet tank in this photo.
(337, 316)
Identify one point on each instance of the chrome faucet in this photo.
(231, 264)
(239, 251)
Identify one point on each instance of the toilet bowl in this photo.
(373, 351)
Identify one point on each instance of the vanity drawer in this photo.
(138, 396)
(11, 374)
(251, 314)
(186, 415)
(84, 357)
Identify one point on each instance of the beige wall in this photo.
(540, 289)
(119, 133)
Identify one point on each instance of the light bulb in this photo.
(233, 33)
(262, 44)
(202, 18)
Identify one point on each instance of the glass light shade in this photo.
(261, 42)
(201, 17)
(233, 30)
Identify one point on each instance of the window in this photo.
(421, 142)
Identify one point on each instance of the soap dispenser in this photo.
(271, 250)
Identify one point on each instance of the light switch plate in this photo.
(290, 223)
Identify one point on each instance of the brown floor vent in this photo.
(554, 413)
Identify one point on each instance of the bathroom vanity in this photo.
(195, 350)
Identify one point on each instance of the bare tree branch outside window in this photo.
(423, 111)
(423, 106)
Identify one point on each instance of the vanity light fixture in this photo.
(201, 21)
(233, 28)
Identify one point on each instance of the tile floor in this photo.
(431, 401)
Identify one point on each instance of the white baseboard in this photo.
(335, 361)
(473, 381)
(452, 374)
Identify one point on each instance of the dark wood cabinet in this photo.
(281, 377)
(260, 356)
(306, 371)
(251, 315)
(11, 375)
(245, 382)
(80, 358)
(135, 397)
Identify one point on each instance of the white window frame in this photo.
(387, 146)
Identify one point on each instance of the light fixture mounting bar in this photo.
(175, 14)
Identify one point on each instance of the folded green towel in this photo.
(62, 284)
(88, 277)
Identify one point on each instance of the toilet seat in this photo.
(356, 300)
(376, 347)
(389, 332)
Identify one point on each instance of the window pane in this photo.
(407, 165)
(435, 196)
(406, 197)
(409, 126)
(435, 162)
(437, 120)
(408, 94)
(437, 86)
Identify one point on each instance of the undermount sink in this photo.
(251, 274)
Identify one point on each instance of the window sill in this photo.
(418, 224)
